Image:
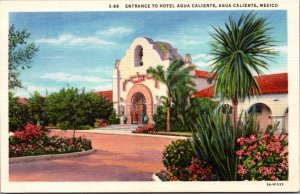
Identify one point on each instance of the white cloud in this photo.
(102, 87)
(202, 56)
(102, 70)
(116, 31)
(202, 64)
(191, 41)
(30, 89)
(282, 49)
(65, 77)
(74, 40)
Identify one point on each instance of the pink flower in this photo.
(240, 141)
(252, 138)
(258, 157)
(252, 162)
(273, 178)
(240, 152)
(265, 136)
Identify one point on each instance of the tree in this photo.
(239, 53)
(18, 113)
(36, 106)
(175, 73)
(72, 108)
(20, 54)
(181, 98)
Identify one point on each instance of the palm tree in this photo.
(239, 53)
(174, 74)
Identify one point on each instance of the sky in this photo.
(79, 49)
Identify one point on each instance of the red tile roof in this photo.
(22, 101)
(207, 92)
(200, 73)
(107, 94)
(268, 84)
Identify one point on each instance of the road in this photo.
(117, 158)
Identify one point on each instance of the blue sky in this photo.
(80, 48)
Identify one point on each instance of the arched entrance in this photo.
(139, 102)
(263, 115)
(138, 108)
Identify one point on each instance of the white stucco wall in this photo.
(201, 83)
(278, 103)
(152, 56)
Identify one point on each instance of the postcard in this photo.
(149, 96)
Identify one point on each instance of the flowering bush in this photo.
(178, 154)
(28, 133)
(32, 140)
(198, 170)
(182, 164)
(262, 158)
(52, 145)
(148, 129)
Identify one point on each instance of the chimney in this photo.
(117, 63)
(188, 58)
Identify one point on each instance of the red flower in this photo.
(240, 152)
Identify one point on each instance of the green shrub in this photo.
(36, 109)
(113, 119)
(214, 140)
(72, 107)
(84, 127)
(160, 120)
(18, 113)
(178, 154)
(64, 125)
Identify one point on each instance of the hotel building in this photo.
(134, 91)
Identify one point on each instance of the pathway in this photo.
(117, 158)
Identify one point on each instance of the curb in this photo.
(49, 156)
(155, 178)
(130, 134)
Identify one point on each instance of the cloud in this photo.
(202, 56)
(65, 77)
(30, 89)
(75, 40)
(282, 49)
(116, 31)
(202, 64)
(102, 87)
(102, 70)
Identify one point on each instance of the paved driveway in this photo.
(117, 158)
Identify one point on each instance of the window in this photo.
(139, 56)
(256, 108)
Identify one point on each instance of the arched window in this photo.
(138, 56)
(256, 108)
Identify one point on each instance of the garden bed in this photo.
(32, 141)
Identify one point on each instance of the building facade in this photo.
(136, 94)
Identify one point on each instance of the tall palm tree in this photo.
(174, 74)
(239, 53)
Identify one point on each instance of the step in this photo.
(118, 127)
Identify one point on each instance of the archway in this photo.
(139, 99)
(138, 108)
(263, 115)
